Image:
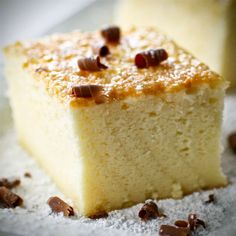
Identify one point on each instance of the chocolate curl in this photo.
(169, 230)
(211, 199)
(182, 223)
(111, 34)
(87, 90)
(91, 64)
(8, 199)
(57, 205)
(150, 211)
(150, 58)
(101, 49)
(194, 222)
(9, 183)
(94, 91)
(232, 141)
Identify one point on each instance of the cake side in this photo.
(54, 61)
(150, 147)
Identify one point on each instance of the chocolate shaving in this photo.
(168, 230)
(91, 64)
(192, 219)
(211, 199)
(149, 58)
(182, 223)
(149, 211)
(99, 215)
(201, 222)
(87, 90)
(232, 142)
(41, 69)
(8, 199)
(194, 222)
(57, 205)
(182, 227)
(111, 34)
(9, 183)
(27, 175)
(101, 50)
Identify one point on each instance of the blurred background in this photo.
(23, 19)
(29, 18)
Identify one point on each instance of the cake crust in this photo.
(53, 60)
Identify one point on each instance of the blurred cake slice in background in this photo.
(207, 28)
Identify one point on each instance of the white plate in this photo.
(35, 217)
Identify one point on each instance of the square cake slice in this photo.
(112, 134)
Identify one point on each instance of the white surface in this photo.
(24, 19)
(35, 218)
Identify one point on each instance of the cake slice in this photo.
(205, 27)
(108, 132)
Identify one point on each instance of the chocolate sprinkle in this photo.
(41, 69)
(8, 199)
(182, 223)
(149, 58)
(101, 50)
(91, 64)
(57, 205)
(168, 230)
(111, 34)
(194, 222)
(232, 141)
(200, 222)
(192, 219)
(87, 91)
(9, 183)
(27, 175)
(211, 198)
(149, 211)
(99, 215)
(182, 227)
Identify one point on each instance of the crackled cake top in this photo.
(54, 60)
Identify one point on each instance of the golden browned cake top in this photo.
(54, 60)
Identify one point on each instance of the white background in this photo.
(22, 19)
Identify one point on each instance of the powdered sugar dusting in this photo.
(35, 218)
